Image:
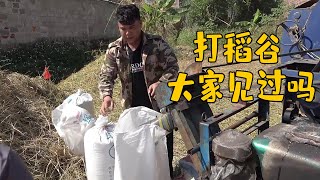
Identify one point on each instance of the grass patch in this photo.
(25, 112)
(63, 56)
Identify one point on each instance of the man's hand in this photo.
(152, 88)
(107, 105)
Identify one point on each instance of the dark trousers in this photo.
(170, 151)
(12, 166)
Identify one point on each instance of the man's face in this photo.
(130, 33)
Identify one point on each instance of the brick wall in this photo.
(24, 21)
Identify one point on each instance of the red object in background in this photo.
(46, 74)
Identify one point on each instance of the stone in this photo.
(13, 29)
(15, 10)
(22, 11)
(15, 5)
(3, 16)
(4, 33)
(2, 4)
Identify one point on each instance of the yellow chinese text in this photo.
(211, 86)
(201, 46)
(243, 54)
(298, 86)
(267, 56)
(229, 52)
(235, 86)
(214, 46)
(178, 87)
(274, 81)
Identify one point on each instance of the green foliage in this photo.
(275, 14)
(211, 14)
(63, 57)
(186, 37)
(217, 13)
(251, 25)
(197, 14)
(262, 19)
(159, 16)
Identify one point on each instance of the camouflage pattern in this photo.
(158, 59)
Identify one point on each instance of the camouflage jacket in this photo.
(158, 59)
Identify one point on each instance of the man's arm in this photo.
(169, 62)
(108, 73)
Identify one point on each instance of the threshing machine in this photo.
(289, 150)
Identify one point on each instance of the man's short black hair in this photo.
(128, 14)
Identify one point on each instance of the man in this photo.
(141, 60)
(12, 166)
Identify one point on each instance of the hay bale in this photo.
(25, 114)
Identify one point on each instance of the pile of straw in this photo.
(25, 114)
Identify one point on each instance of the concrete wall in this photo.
(24, 21)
